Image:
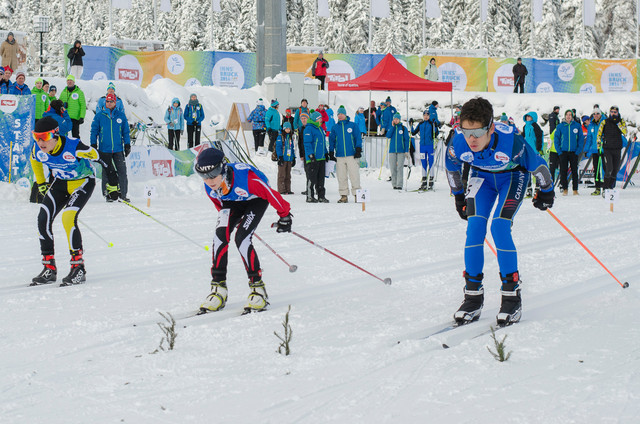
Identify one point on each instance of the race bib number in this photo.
(611, 195)
(473, 186)
(362, 195)
(150, 192)
(423, 156)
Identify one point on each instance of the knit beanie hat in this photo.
(342, 110)
(111, 86)
(111, 97)
(286, 125)
(504, 117)
(388, 99)
(305, 114)
(71, 77)
(53, 87)
(274, 103)
(20, 73)
(260, 102)
(396, 116)
(39, 80)
(1, 70)
(315, 116)
(45, 124)
(209, 163)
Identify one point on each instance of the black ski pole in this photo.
(292, 268)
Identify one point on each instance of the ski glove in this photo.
(358, 153)
(543, 200)
(293, 163)
(332, 156)
(461, 205)
(127, 150)
(312, 158)
(284, 224)
(280, 162)
(42, 191)
(81, 121)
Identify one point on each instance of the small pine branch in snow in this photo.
(284, 349)
(499, 354)
(169, 331)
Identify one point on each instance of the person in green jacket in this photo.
(73, 99)
(42, 98)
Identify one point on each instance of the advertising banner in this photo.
(17, 117)
(465, 73)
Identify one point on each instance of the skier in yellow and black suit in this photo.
(68, 190)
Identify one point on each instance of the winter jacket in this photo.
(289, 119)
(427, 131)
(344, 138)
(532, 132)
(9, 53)
(554, 120)
(296, 120)
(110, 131)
(519, 72)
(4, 86)
(285, 147)
(611, 133)
(173, 116)
(64, 122)
(431, 72)
(19, 90)
(361, 123)
(42, 101)
(568, 138)
(433, 115)
(314, 138)
(272, 119)
(75, 55)
(194, 115)
(387, 117)
(319, 67)
(325, 119)
(102, 104)
(591, 141)
(398, 136)
(330, 122)
(75, 103)
(256, 117)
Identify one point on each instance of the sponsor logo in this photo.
(505, 81)
(44, 97)
(501, 157)
(75, 96)
(242, 166)
(68, 157)
(575, 130)
(349, 130)
(162, 168)
(339, 77)
(518, 194)
(504, 128)
(240, 192)
(467, 157)
(119, 121)
(400, 132)
(128, 74)
(8, 102)
(249, 220)
(42, 156)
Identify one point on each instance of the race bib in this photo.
(473, 186)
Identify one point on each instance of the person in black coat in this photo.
(554, 119)
(75, 59)
(519, 73)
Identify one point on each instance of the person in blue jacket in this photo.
(315, 152)
(534, 136)
(331, 121)
(428, 132)
(175, 123)
(297, 124)
(398, 136)
(346, 142)
(433, 113)
(568, 141)
(360, 121)
(19, 88)
(501, 162)
(59, 113)
(194, 115)
(256, 117)
(286, 152)
(386, 120)
(110, 136)
(111, 89)
(591, 149)
(272, 122)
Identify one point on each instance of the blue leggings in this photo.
(508, 188)
(426, 157)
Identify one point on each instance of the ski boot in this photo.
(529, 193)
(430, 184)
(511, 308)
(424, 186)
(258, 298)
(323, 200)
(49, 273)
(311, 199)
(113, 193)
(77, 274)
(596, 192)
(217, 299)
(471, 308)
(343, 199)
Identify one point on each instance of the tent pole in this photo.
(407, 115)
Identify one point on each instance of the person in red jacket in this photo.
(319, 69)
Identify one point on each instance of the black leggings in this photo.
(258, 138)
(69, 197)
(193, 130)
(315, 178)
(244, 217)
(568, 159)
(611, 158)
(174, 138)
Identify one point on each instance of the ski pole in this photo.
(163, 224)
(97, 235)
(624, 286)
(387, 280)
(292, 268)
(493, 249)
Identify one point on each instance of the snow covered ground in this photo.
(83, 354)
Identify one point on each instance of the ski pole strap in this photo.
(625, 285)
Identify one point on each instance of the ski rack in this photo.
(233, 150)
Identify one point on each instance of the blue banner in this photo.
(17, 117)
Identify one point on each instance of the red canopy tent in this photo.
(390, 75)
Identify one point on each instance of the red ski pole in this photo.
(292, 268)
(387, 280)
(624, 286)
(486, 240)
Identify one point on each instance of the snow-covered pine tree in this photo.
(549, 31)
(501, 35)
(619, 28)
(295, 13)
(336, 31)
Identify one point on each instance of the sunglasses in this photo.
(209, 171)
(43, 136)
(476, 132)
(110, 101)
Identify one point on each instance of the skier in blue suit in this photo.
(501, 162)
(428, 132)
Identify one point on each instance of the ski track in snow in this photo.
(83, 354)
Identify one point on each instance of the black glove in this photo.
(95, 146)
(332, 156)
(42, 191)
(411, 121)
(312, 158)
(284, 224)
(181, 132)
(127, 150)
(543, 200)
(358, 153)
(293, 162)
(81, 121)
(280, 162)
(461, 206)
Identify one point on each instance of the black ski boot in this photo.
(77, 274)
(471, 308)
(425, 184)
(48, 274)
(430, 183)
(511, 308)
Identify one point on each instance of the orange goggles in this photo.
(43, 136)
